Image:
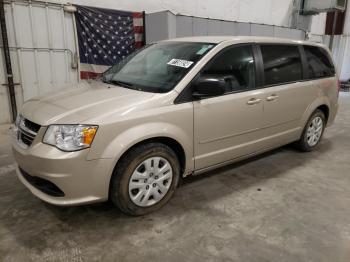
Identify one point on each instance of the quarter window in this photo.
(236, 66)
(319, 64)
(282, 64)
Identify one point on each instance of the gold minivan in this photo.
(172, 109)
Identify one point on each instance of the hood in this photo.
(78, 104)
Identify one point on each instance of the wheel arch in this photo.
(322, 104)
(325, 109)
(168, 141)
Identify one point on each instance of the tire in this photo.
(305, 143)
(135, 176)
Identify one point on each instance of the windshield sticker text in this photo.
(180, 63)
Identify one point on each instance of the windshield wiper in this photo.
(120, 83)
(116, 82)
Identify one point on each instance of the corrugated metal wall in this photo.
(164, 25)
(43, 51)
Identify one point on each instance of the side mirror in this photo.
(209, 85)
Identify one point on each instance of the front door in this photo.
(228, 126)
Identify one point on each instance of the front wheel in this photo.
(145, 179)
(313, 132)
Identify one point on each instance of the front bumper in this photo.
(81, 181)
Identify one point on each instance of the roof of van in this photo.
(242, 39)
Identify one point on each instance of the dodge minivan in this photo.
(172, 109)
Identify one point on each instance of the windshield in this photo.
(158, 67)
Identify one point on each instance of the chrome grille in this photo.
(27, 131)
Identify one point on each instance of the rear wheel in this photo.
(313, 131)
(145, 179)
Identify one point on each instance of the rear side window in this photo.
(319, 63)
(236, 66)
(282, 64)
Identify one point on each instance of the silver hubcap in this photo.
(150, 181)
(314, 131)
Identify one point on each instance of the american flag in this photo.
(105, 37)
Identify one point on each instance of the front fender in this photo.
(130, 137)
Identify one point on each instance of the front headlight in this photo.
(70, 137)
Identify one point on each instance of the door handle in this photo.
(253, 101)
(271, 97)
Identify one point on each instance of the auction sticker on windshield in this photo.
(180, 63)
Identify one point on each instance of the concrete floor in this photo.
(281, 206)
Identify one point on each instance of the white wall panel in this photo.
(255, 11)
(243, 29)
(56, 27)
(270, 12)
(215, 27)
(341, 56)
(183, 26)
(275, 12)
(282, 32)
(44, 72)
(42, 48)
(296, 34)
(318, 24)
(228, 28)
(70, 31)
(345, 69)
(345, 72)
(316, 38)
(159, 25)
(23, 25)
(16, 79)
(200, 27)
(347, 21)
(41, 28)
(29, 80)
(60, 73)
(261, 30)
(4, 99)
(281, 12)
(10, 27)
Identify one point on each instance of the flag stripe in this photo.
(138, 45)
(138, 37)
(138, 21)
(93, 68)
(88, 75)
(138, 29)
(138, 15)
